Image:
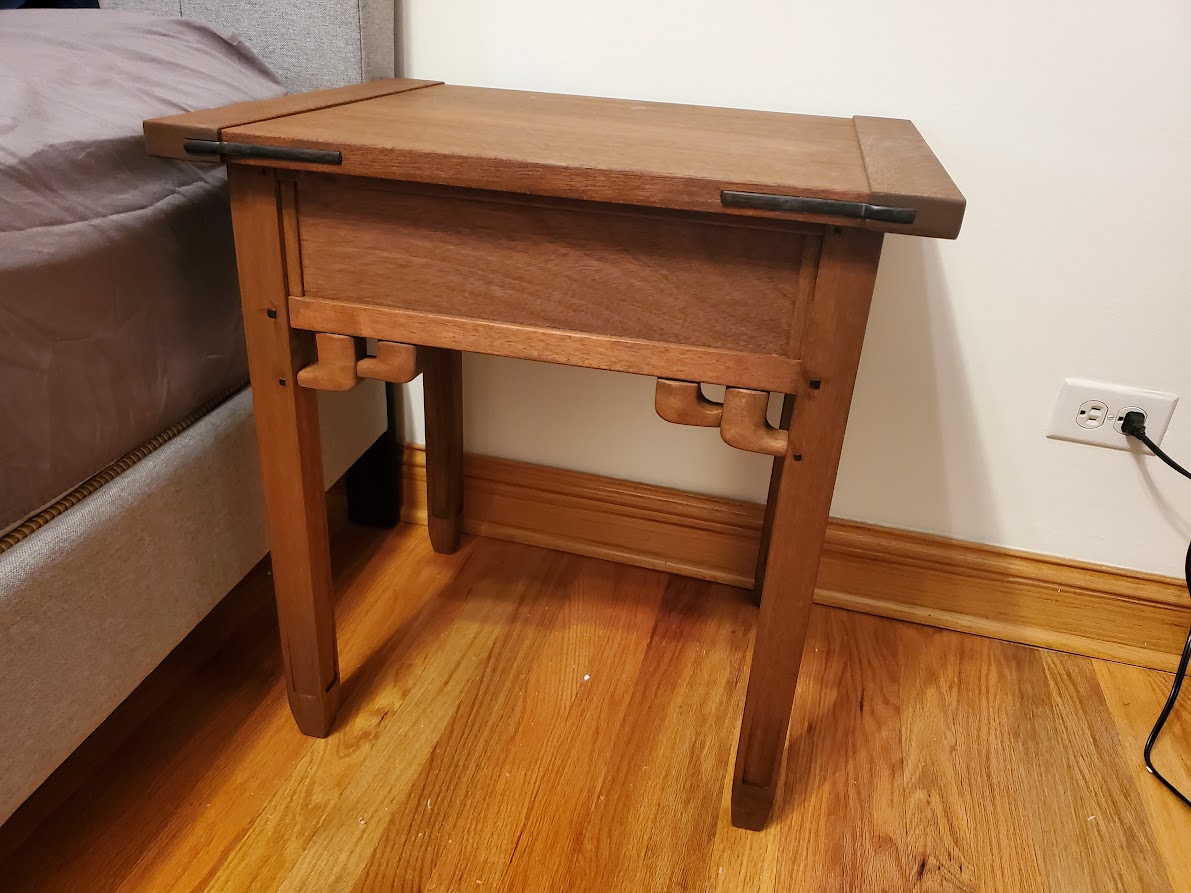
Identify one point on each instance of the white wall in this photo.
(1067, 125)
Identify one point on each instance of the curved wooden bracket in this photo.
(340, 366)
(394, 362)
(745, 426)
(335, 368)
(683, 403)
(741, 417)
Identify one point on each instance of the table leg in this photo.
(805, 480)
(291, 455)
(442, 382)
(775, 477)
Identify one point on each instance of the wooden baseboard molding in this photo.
(1055, 603)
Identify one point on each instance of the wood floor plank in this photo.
(745, 860)
(1135, 697)
(1090, 823)
(649, 804)
(506, 840)
(685, 803)
(536, 721)
(940, 813)
(840, 803)
(995, 694)
(874, 854)
(812, 810)
(422, 669)
(575, 767)
(430, 800)
(249, 765)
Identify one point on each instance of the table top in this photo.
(876, 173)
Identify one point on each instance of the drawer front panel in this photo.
(656, 278)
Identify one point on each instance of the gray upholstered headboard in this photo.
(310, 44)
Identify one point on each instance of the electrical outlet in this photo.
(1124, 411)
(1092, 412)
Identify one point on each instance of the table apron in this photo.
(617, 354)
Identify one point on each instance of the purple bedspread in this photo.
(119, 311)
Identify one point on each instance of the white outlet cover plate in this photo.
(1157, 405)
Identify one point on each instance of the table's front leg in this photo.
(800, 502)
(291, 456)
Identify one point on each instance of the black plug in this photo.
(1134, 424)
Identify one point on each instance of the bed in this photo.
(129, 494)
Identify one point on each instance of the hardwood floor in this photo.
(520, 719)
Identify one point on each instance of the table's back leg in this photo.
(291, 455)
(801, 497)
(775, 478)
(442, 382)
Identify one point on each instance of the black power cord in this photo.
(1134, 425)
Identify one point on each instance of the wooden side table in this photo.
(695, 245)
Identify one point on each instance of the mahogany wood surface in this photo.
(614, 150)
(288, 190)
(334, 368)
(164, 136)
(634, 142)
(683, 403)
(583, 231)
(744, 425)
(835, 332)
(703, 364)
(442, 384)
(897, 168)
(775, 480)
(393, 362)
(653, 279)
(291, 455)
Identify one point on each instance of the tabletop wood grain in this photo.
(623, 151)
(164, 136)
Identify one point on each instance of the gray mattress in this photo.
(119, 311)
